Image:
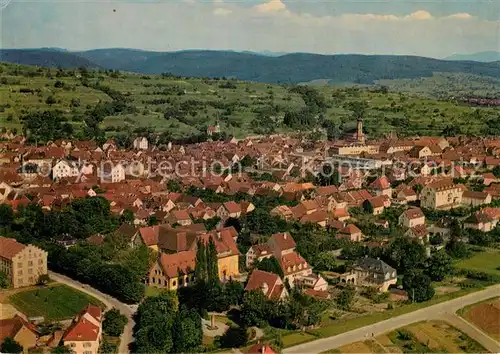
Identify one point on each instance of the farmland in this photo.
(53, 303)
(186, 106)
(485, 315)
(423, 337)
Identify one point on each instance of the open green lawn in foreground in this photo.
(488, 262)
(53, 303)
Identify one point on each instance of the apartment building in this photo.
(23, 264)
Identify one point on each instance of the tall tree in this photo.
(9, 345)
(418, 285)
(200, 269)
(439, 266)
(212, 265)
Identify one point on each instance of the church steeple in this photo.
(360, 136)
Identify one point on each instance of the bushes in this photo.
(114, 323)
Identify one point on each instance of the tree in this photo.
(255, 308)
(345, 298)
(105, 348)
(271, 265)
(406, 254)
(212, 265)
(43, 279)
(114, 322)
(325, 261)
(4, 281)
(6, 216)
(200, 270)
(187, 333)
(235, 337)
(127, 216)
(418, 285)
(51, 100)
(9, 345)
(439, 266)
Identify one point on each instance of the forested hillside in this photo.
(52, 103)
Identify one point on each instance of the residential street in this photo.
(443, 311)
(109, 301)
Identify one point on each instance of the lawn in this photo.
(153, 291)
(487, 262)
(53, 303)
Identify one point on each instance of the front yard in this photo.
(487, 261)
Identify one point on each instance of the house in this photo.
(269, 283)
(376, 205)
(480, 221)
(442, 227)
(233, 209)
(381, 186)
(213, 129)
(441, 194)
(351, 232)
(489, 178)
(412, 217)
(258, 253)
(148, 236)
(370, 272)
(312, 281)
(22, 264)
(180, 217)
(294, 267)
(84, 334)
(172, 271)
(112, 173)
(406, 195)
(63, 169)
(141, 143)
(20, 330)
(419, 233)
(260, 348)
(474, 199)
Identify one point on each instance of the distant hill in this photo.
(46, 57)
(485, 57)
(289, 68)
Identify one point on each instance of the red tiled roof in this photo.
(283, 240)
(149, 235)
(180, 262)
(232, 207)
(10, 247)
(414, 213)
(292, 259)
(260, 279)
(381, 183)
(10, 327)
(81, 330)
(350, 230)
(260, 348)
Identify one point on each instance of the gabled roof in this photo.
(82, 331)
(10, 327)
(374, 265)
(414, 213)
(9, 247)
(178, 263)
(381, 183)
(283, 240)
(261, 280)
(350, 230)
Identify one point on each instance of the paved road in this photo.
(110, 302)
(440, 311)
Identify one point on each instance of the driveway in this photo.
(110, 302)
(442, 311)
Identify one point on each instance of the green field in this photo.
(234, 104)
(488, 262)
(53, 303)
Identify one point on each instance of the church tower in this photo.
(360, 136)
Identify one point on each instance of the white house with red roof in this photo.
(84, 334)
(412, 217)
(381, 186)
(269, 283)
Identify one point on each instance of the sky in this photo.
(433, 28)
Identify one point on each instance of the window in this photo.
(19, 265)
(30, 271)
(87, 345)
(72, 345)
(40, 261)
(20, 272)
(174, 283)
(30, 263)
(154, 280)
(20, 280)
(87, 352)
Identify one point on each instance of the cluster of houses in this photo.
(83, 335)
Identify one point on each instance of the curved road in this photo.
(126, 338)
(443, 311)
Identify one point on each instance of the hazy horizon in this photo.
(397, 27)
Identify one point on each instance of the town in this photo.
(260, 243)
